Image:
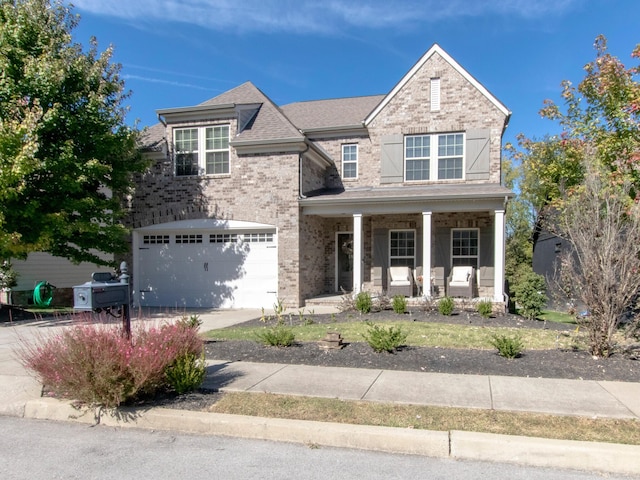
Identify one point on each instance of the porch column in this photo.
(357, 252)
(498, 256)
(426, 254)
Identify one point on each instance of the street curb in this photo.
(532, 451)
(545, 452)
(364, 437)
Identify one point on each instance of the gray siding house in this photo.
(247, 202)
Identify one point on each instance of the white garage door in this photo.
(184, 268)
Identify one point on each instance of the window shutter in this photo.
(486, 247)
(478, 159)
(380, 255)
(392, 159)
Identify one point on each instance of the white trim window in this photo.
(350, 160)
(402, 248)
(450, 160)
(465, 247)
(446, 162)
(185, 141)
(201, 150)
(417, 154)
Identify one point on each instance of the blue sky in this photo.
(179, 53)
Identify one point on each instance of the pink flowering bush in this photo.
(95, 364)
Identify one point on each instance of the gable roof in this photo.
(436, 49)
(331, 114)
(263, 121)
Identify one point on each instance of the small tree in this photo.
(602, 223)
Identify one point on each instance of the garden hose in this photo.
(43, 294)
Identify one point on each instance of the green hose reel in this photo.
(43, 294)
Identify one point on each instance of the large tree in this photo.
(66, 153)
(583, 185)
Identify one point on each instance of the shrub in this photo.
(278, 336)
(485, 308)
(95, 364)
(363, 302)
(508, 347)
(530, 295)
(186, 373)
(399, 304)
(192, 321)
(384, 339)
(445, 305)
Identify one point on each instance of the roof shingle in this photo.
(337, 112)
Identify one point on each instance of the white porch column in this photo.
(426, 254)
(357, 252)
(498, 256)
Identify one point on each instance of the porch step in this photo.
(331, 300)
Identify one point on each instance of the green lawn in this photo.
(559, 317)
(418, 334)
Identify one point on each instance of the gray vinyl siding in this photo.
(59, 272)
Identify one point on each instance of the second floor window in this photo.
(350, 161)
(444, 161)
(202, 150)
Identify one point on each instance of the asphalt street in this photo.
(40, 449)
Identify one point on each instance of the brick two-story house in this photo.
(247, 202)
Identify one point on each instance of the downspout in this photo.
(161, 120)
(300, 156)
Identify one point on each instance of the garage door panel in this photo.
(221, 275)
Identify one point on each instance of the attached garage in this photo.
(205, 263)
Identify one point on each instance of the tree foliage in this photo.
(603, 112)
(66, 154)
(583, 186)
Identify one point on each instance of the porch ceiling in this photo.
(406, 199)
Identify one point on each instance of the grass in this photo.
(558, 317)
(429, 418)
(421, 334)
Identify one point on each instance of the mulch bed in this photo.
(567, 364)
(557, 363)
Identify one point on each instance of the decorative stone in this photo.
(332, 341)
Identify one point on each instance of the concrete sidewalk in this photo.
(20, 395)
(537, 395)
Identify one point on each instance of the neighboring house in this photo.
(547, 251)
(57, 271)
(247, 202)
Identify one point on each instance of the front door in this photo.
(344, 255)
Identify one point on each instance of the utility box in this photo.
(104, 291)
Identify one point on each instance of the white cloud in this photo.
(313, 16)
(164, 82)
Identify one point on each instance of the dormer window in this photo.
(202, 150)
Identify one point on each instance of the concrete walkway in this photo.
(20, 395)
(538, 395)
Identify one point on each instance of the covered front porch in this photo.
(372, 234)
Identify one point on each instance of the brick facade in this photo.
(269, 185)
